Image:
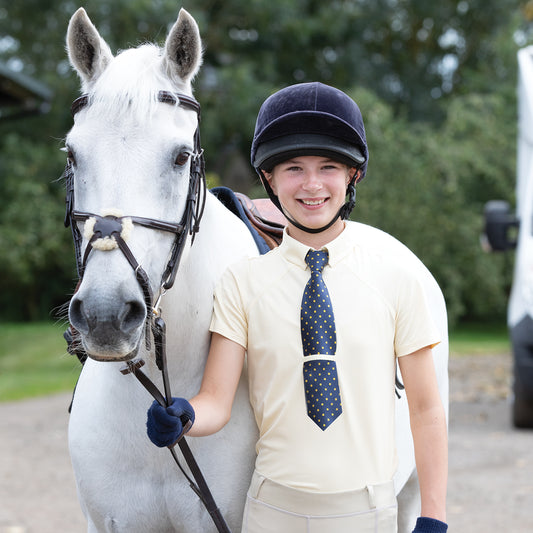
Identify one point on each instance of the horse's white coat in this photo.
(124, 145)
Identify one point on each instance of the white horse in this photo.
(129, 155)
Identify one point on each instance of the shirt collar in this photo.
(294, 251)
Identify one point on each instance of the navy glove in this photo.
(165, 424)
(429, 525)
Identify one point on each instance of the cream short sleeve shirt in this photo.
(380, 314)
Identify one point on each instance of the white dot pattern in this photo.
(319, 337)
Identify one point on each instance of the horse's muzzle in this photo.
(111, 331)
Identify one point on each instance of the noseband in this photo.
(110, 227)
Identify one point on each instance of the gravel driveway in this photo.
(491, 464)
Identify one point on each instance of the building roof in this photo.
(21, 95)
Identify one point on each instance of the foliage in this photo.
(427, 188)
(36, 265)
(435, 81)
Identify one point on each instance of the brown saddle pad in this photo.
(265, 217)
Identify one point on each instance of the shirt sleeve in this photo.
(229, 318)
(415, 326)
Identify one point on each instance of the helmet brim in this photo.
(277, 150)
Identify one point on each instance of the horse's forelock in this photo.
(132, 81)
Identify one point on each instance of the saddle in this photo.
(264, 220)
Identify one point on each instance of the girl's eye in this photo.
(182, 159)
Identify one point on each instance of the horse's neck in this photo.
(187, 307)
(223, 239)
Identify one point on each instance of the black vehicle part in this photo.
(522, 341)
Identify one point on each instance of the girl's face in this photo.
(311, 190)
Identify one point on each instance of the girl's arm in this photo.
(428, 426)
(210, 409)
(212, 405)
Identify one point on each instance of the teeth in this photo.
(313, 202)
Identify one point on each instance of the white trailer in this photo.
(499, 224)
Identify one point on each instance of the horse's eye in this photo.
(182, 159)
(70, 155)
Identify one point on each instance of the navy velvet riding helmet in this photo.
(309, 119)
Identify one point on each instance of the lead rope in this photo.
(134, 367)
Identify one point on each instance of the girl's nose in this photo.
(312, 182)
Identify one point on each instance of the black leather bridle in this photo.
(110, 226)
(189, 224)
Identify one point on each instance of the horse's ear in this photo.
(183, 49)
(88, 53)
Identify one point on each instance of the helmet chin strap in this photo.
(343, 212)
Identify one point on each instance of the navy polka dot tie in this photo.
(319, 338)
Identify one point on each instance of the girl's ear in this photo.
(353, 172)
(270, 178)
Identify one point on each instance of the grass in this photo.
(479, 339)
(34, 361)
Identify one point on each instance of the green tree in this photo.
(436, 83)
(36, 272)
(428, 186)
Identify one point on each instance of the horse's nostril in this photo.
(133, 314)
(77, 316)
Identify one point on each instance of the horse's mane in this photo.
(132, 80)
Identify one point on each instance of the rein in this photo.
(107, 233)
